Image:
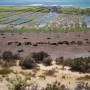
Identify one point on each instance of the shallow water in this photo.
(87, 21)
(41, 19)
(3, 25)
(50, 17)
(65, 3)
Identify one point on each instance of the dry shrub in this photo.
(77, 64)
(28, 63)
(50, 72)
(82, 86)
(86, 77)
(79, 42)
(7, 55)
(56, 86)
(5, 71)
(9, 59)
(39, 56)
(60, 60)
(47, 61)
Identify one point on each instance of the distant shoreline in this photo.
(46, 5)
(46, 9)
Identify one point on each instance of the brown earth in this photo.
(69, 45)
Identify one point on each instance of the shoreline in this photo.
(45, 5)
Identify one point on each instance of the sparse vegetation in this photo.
(79, 42)
(47, 61)
(82, 86)
(7, 56)
(81, 64)
(33, 59)
(86, 77)
(28, 63)
(56, 86)
(60, 60)
(39, 56)
(77, 64)
(9, 59)
(5, 71)
(50, 72)
(18, 84)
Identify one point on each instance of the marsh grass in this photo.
(45, 30)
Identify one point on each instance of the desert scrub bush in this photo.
(9, 59)
(5, 71)
(7, 56)
(64, 62)
(82, 86)
(39, 56)
(23, 84)
(79, 42)
(28, 63)
(81, 64)
(18, 84)
(47, 61)
(56, 86)
(60, 60)
(16, 56)
(77, 64)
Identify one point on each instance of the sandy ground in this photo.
(39, 76)
(45, 42)
(3, 85)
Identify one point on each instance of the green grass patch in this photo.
(23, 8)
(44, 29)
(45, 9)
